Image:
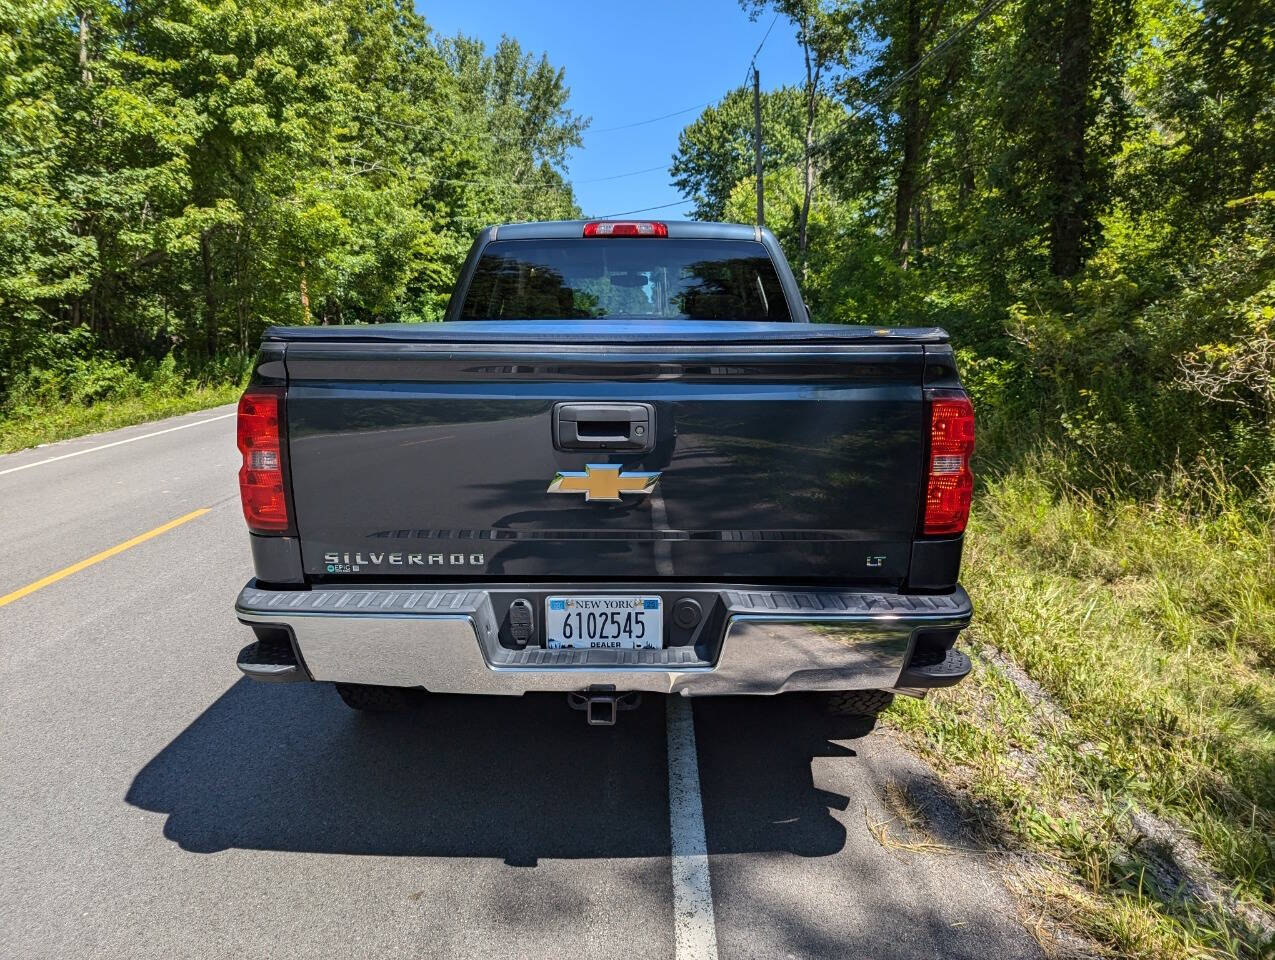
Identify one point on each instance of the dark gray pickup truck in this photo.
(626, 462)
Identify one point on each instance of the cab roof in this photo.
(677, 229)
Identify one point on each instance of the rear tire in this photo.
(371, 699)
(857, 703)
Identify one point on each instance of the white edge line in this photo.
(144, 436)
(694, 928)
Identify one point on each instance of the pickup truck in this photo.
(625, 462)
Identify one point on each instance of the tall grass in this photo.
(69, 394)
(1124, 656)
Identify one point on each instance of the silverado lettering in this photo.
(405, 559)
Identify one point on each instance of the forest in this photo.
(1082, 192)
(1079, 190)
(176, 176)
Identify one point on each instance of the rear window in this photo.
(596, 277)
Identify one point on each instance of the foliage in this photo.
(72, 387)
(827, 44)
(715, 153)
(177, 174)
(1080, 191)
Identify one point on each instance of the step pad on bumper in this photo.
(335, 601)
(950, 670)
(271, 660)
(837, 602)
(380, 600)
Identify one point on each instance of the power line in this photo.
(907, 74)
(663, 116)
(568, 184)
(880, 98)
(753, 60)
(621, 176)
(427, 128)
(625, 213)
(698, 106)
(489, 182)
(552, 186)
(662, 206)
(987, 9)
(527, 143)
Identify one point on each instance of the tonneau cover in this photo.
(646, 331)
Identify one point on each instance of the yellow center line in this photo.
(99, 557)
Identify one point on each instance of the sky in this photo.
(628, 62)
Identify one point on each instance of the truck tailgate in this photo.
(424, 458)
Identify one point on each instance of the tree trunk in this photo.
(210, 294)
(85, 75)
(243, 286)
(1069, 217)
(808, 165)
(910, 124)
(305, 297)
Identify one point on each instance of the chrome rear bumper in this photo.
(769, 640)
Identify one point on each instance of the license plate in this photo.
(604, 623)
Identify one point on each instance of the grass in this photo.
(62, 423)
(88, 395)
(1119, 728)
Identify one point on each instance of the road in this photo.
(158, 805)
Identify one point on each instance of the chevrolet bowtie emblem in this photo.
(603, 482)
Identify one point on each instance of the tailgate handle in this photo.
(603, 426)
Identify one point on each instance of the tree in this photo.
(175, 174)
(42, 259)
(1078, 190)
(825, 41)
(902, 92)
(527, 128)
(715, 152)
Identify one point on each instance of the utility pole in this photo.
(761, 196)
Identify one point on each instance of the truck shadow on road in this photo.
(290, 768)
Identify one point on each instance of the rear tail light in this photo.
(949, 484)
(261, 482)
(625, 228)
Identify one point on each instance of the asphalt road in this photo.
(155, 804)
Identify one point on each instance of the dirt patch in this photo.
(1175, 863)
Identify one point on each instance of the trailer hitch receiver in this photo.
(600, 704)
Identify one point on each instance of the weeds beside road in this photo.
(69, 396)
(1119, 726)
(70, 421)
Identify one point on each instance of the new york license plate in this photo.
(601, 623)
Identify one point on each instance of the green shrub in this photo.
(67, 386)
